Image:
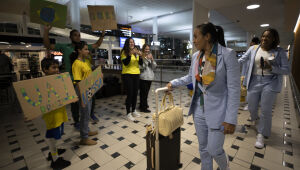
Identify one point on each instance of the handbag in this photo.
(170, 118)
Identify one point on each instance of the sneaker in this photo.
(130, 117)
(227, 168)
(146, 110)
(60, 163)
(93, 133)
(59, 152)
(94, 119)
(136, 114)
(87, 142)
(227, 158)
(245, 108)
(259, 144)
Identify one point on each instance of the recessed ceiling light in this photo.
(253, 6)
(264, 25)
(171, 12)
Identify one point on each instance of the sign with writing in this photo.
(102, 18)
(42, 95)
(48, 13)
(89, 86)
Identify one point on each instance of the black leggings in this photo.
(144, 91)
(131, 85)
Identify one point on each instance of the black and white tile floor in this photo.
(121, 144)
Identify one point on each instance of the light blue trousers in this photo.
(84, 117)
(260, 91)
(210, 142)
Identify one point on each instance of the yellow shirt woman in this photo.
(133, 66)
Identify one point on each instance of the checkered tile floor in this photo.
(121, 144)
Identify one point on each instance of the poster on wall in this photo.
(89, 86)
(102, 17)
(48, 13)
(42, 95)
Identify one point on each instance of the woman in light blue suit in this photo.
(268, 63)
(215, 74)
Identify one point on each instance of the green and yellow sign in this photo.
(48, 13)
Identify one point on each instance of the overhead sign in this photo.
(48, 13)
(102, 17)
(42, 95)
(89, 86)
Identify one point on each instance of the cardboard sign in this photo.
(48, 13)
(102, 18)
(89, 86)
(42, 95)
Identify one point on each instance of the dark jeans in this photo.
(144, 91)
(75, 112)
(131, 85)
(93, 106)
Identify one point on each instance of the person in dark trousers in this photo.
(5, 64)
(130, 57)
(67, 50)
(146, 77)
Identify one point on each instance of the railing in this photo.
(296, 96)
(162, 73)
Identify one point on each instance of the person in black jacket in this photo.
(130, 57)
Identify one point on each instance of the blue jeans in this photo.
(84, 117)
(210, 142)
(260, 91)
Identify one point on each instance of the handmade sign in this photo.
(89, 86)
(48, 13)
(102, 18)
(42, 95)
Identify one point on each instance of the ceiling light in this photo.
(297, 24)
(253, 6)
(171, 12)
(264, 25)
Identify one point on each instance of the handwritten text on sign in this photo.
(89, 86)
(42, 95)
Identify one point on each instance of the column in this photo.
(110, 59)
(24, 25)
(200, 15)
(74, 8)
(155, 37)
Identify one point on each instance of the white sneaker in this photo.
(245, 108)
(136, 114)
(259, 144)
(130, 117)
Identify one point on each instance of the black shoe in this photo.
(60, 163)
(146, 111)
(59, 152)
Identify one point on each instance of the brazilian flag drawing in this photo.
(48, 13)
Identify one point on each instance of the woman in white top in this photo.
(263, 79)
(146, 77)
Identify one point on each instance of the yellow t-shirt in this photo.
(55, 118)
(132, 67)
(80, 70)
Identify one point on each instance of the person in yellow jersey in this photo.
(81, 70)
(130, 57)
(54, 121)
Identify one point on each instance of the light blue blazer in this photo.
(280, 66)
(222, 96)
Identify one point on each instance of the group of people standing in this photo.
(215, 74)
(137, 69)
(137, 73)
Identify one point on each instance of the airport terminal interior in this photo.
(168, 27)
